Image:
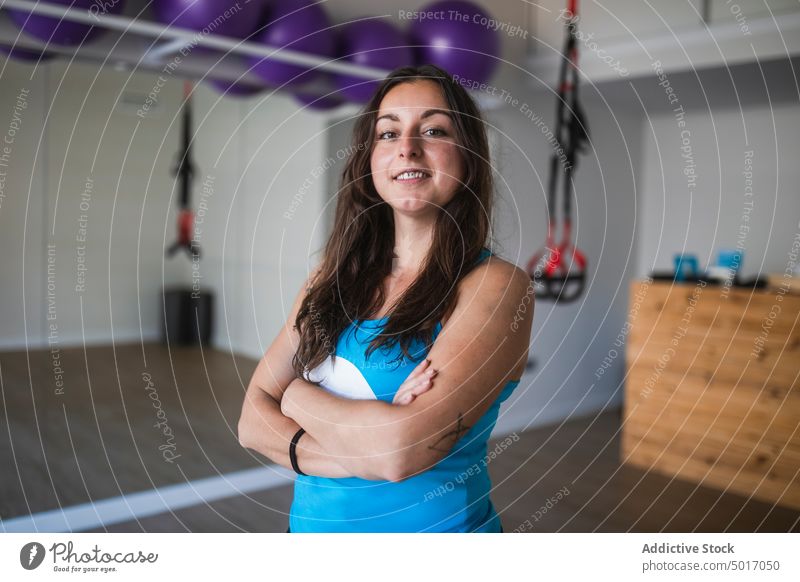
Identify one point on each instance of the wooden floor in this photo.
(97, 440)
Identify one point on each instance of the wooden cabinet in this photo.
(712, 391)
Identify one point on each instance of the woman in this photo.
(386, 429)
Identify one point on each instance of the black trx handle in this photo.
(559, 270)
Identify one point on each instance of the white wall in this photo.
(718, 213)
(253, 257)
(22, 207)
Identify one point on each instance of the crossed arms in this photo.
(483, 345)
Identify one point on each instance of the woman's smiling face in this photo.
(415, 130)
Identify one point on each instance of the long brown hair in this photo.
(358, 255)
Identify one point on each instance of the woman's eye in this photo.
(432, 131)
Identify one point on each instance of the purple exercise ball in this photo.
(371, 43)
(220, 18)
(65, 32)
(236, 88)
(463, 25)
(210, 16)
(296, 25)
(28, 55)
(319, 103)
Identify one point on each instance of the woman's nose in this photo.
(410, 146)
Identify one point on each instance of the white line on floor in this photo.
(147, 503)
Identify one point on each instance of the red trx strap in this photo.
(184, 171)
(559, 270)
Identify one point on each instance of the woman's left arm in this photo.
(485, 340)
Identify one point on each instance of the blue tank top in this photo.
(451, 496)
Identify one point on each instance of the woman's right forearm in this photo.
(264, 429)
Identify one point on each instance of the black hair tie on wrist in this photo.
(293, 451)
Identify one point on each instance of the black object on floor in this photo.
(188, 316)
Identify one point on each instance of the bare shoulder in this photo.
(495, 302)
(494, 286)
(492, 275)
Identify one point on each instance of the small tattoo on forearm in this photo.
(456, 433)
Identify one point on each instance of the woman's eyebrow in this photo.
(425, 114)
